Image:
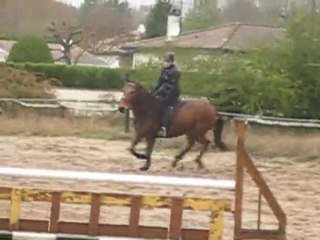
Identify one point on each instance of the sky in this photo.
(133, 3)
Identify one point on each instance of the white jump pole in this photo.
(117, 178)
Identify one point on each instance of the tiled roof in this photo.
(235, 36)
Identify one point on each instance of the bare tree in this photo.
(67, 37)
(107, 20)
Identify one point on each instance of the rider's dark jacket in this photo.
(167, 87)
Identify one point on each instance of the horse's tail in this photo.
(217, 134)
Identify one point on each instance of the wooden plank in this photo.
(33, 225)
(195, 234)
(153, 201)
(110, 199)
(55, 213)
(4, 224)
(76, 197)
(262, 234)
(94, 214)
(239, 180)
(175, 228)
(153, 232)
(73, 228)
(199, 204)
(15, 209)
(115, 199)
(265, 190)
(135, 216)
(35, 195)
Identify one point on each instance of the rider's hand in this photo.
(158, 97)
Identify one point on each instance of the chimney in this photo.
(173, 23)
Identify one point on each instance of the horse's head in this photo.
(132, 93)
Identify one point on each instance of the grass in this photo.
(274, 143)
(35, 125)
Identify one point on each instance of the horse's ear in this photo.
(138, 85)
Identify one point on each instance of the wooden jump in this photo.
(177, 205)
(93, 227)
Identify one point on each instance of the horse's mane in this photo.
(137, 84)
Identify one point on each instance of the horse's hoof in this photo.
(144, 168)
(200, 164)
(201, 167)
(174, 164)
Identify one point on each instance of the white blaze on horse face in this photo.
(129, 91)
(129, 88)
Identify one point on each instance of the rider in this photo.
(167, 90)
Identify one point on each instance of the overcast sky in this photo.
(133, 3)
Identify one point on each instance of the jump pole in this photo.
(117, 178)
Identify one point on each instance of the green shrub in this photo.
(30, 49)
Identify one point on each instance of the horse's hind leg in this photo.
(190, 143)
(205, 144)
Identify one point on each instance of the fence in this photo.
(101, 107)
(96, 200)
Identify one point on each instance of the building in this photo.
(112, 59)
(234, 37)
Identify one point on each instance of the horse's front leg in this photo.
(136, 140)
(150, 145)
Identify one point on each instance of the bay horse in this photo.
(191, 118)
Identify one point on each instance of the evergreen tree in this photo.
(30, 49)
(203, 15)
(157, 19)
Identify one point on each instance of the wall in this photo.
(3, 55)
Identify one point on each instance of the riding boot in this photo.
(164, 121)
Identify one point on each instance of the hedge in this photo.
(73, 76)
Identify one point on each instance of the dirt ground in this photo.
(295, 183)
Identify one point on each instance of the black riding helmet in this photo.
(169, 57)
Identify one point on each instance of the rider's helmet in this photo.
(169, 57)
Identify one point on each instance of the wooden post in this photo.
(241, 127)
(136, 204)
(55, 212)
(94, 214)
(175, 228)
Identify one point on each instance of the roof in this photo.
(111, 45)
(235, 36)
(86, 58)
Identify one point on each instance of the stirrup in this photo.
(162, 132)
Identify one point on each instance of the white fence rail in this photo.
(93, 107)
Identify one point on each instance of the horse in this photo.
(192, 118)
